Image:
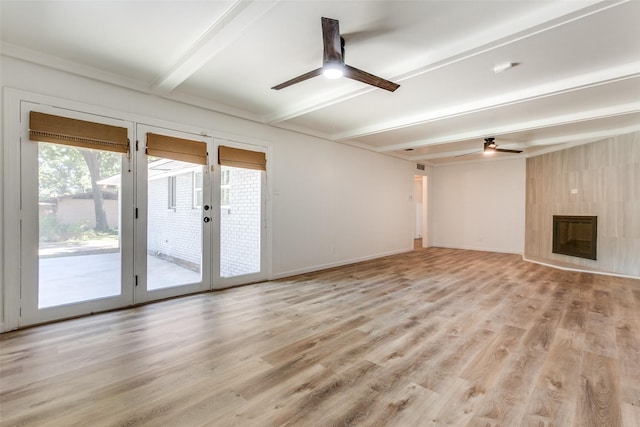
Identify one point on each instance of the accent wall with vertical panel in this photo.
(600, 178)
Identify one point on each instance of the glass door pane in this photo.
(174, 217)
(240, 219)
(240, 199)
(174, 223)
(79, 224)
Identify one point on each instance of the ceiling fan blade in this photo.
(331, 41)
(502, 150)
(370, 79)
(301, 78)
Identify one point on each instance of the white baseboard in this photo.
(479, 248)
(578, 269)
(319, 267)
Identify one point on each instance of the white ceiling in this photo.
(577, 77)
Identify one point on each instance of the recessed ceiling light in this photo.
(502, 67)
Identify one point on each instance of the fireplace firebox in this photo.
(575, 235)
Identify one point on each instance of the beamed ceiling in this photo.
(576, 76)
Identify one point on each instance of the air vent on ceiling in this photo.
(420, 166)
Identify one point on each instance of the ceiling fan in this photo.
(333, 65)
(491, 147)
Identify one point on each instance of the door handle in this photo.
(206, 219)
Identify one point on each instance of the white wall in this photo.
(480, 206)
(331, 204)
(336, 203)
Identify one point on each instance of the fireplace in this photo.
(575, 235)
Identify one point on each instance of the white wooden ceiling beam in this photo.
(550, 144)
(582, 116)
(556, 88)
(231, 25)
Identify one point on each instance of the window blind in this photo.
(77, 133)
(169, 147)
(228, 156)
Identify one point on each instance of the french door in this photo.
(106, 226)
(240, 200)
(76, 227)
(174, 213)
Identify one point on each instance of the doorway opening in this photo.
(420, 229)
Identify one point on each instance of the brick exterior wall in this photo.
(174, 233)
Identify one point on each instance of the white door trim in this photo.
(29, 217)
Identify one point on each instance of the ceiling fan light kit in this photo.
(333, 66)
(333, 71)
(489, 146)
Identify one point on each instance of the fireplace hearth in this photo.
(575, 235)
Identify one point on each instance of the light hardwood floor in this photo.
(431, 337)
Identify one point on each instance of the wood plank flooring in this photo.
(429, 338)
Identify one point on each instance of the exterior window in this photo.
(225, 187)
(171, 192)
(197, 190)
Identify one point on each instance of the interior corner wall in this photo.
(480, 206)
(600, 178)
(330, 203)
